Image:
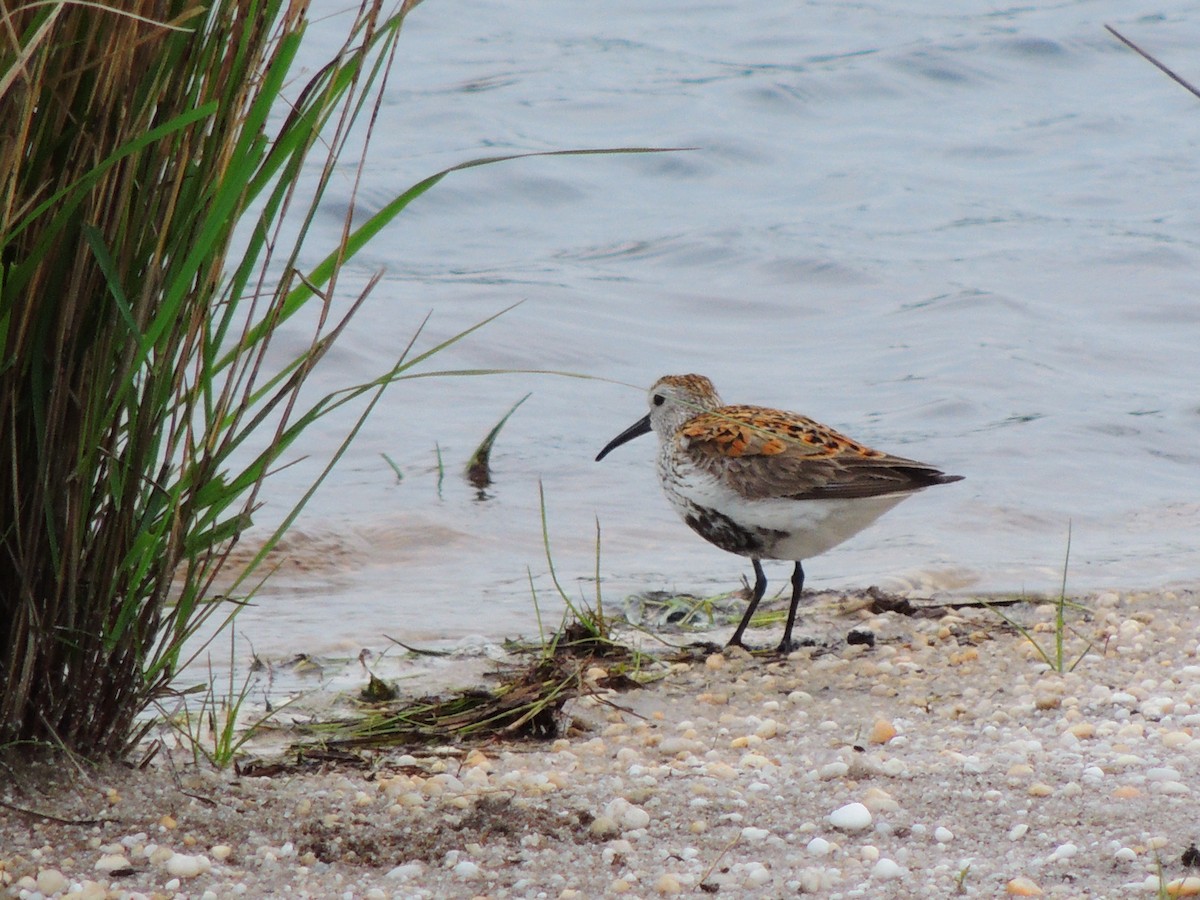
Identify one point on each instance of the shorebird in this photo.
(765, 483)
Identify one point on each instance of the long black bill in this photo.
(637, 429)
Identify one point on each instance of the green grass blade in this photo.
(479, 466)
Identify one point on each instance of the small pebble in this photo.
(51, 881)
(887, 870)
(603, 825)
(182, 865)
(627, 816)
(882, 731)
(668, 884)
(861, 636)
(833, 771)
(1023, 887)
(1063, 852)
(851, 817)
(818, 846)
(756, 875)
(406, 871)
(467, 869)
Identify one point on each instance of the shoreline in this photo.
(947, 759)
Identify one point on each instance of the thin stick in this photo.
(720, 856)
(48, 816)
(1146, 56)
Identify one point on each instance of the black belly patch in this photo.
(727, 534)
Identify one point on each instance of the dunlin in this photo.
(765, 483)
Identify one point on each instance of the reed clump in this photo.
(143, 272)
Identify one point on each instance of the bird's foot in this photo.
(787, 645)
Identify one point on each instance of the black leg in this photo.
(760, 588)
(786, 645)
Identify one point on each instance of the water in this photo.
(972, 238)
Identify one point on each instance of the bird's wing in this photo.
(764, 453)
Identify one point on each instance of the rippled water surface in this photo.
(972, 238)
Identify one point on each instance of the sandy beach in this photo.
(945, 760)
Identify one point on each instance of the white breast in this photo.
(803, 528)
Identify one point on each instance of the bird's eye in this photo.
(659, 399)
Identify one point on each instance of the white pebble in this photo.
(181, 865)
(757, 874)
(51, 881)
(943, 835)
(815, 881)
(973, 765)
(1162, 773)
(406, 871)
(635, 817)
(111, 862)
(467, 869)
(818, 846)
(754, 761)
(625, 815)
(1157, 708)
(1125, 854)
(833, 770)
(754, 835)
(767, 729)
(1171, 787)
(1063, 852)
(851, 817)
(887, 870)
(1017, 831)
